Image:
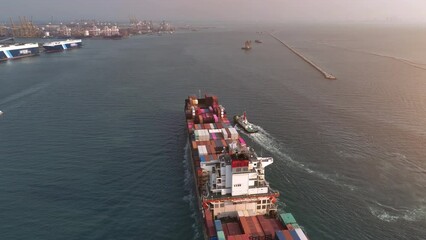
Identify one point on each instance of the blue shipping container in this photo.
(218, 225)
(279, 236)
(294, 235)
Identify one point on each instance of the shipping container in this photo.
(244, 225)
(280, 236)
(294, 235)
(221, 235)
(287, 235)
(257, 226)
(225, 229)
(295, 225)
(266, 225)
(301, 234)
(218, 225)
(234, 228)
(287, 218)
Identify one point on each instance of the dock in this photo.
(326, 74)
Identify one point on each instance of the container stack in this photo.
(211, 232)
(251, 226)
(267, 226)
(219, 230)
(202, 135)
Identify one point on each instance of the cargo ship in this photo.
(62, 45)
(234, 199)
(18, 50)
(245, 124)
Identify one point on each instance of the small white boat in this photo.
(1, 113)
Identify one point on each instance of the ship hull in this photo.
(200, 216)
(61, 46)
(7, 54)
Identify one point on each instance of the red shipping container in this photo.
(278, 225)
(234, 228)
(225, 230)
(287, 234)
(228, 132)
(240, 163)
(212, 231)
(266, 225)
(257, 226)
(244, 225)
(245, 237)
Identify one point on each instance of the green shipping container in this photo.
(221, 235)
(287, 218)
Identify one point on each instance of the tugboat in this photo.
(247, 45)
(242, 121)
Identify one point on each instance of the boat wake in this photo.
(399, 59)
(390, 214)
(190, 197)
(24, 93)
(271, 144)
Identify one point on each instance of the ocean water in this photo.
(93, 142)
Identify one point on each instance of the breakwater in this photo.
(326, 74)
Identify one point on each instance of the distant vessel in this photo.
(257, 41)
(247, 45)
(244, 123)
(1, 113)
(18, 50)
(62, 45)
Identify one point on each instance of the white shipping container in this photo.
(225, 133)
(301, 234)
(202, 150)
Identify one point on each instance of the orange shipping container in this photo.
(257, 226)
(244, 225)
(287, 234)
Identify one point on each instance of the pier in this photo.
(326, 74)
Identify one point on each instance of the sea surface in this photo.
(93, 141)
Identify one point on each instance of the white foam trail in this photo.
(268, 142)
(403, 60)
(410, 215)
(23, 93)
(190, 197)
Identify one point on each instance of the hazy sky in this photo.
(227, 10)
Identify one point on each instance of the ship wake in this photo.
(190, 197)
(399, 59)
(271, 144)
(22, 94)
(390, 214)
